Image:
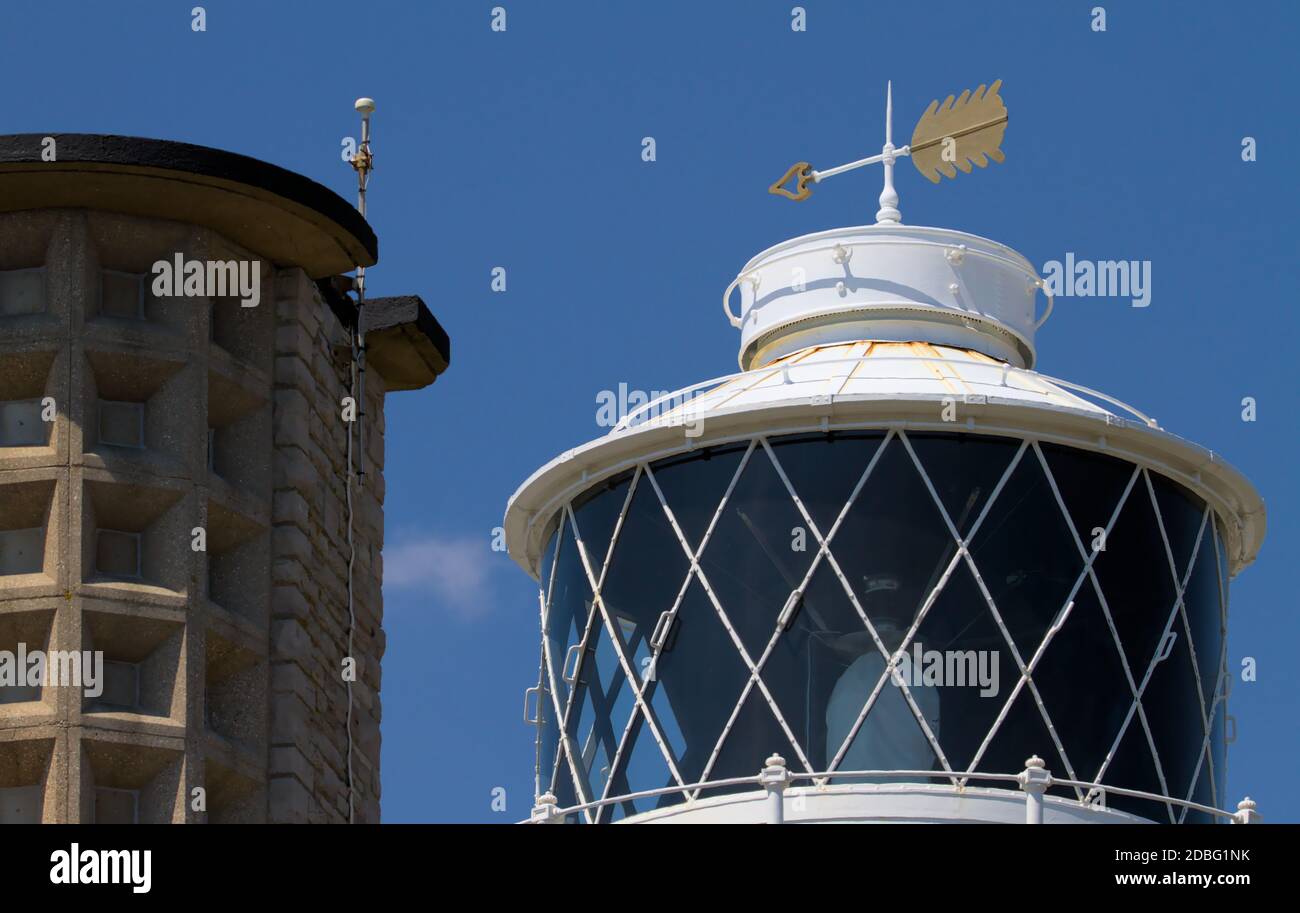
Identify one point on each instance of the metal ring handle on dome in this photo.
(734, 320)
(1051, 303)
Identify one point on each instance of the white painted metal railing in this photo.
(775, 778)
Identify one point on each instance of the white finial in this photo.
(888, 212)
(889, 112)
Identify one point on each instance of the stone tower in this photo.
(174, 486)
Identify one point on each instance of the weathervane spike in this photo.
(889, 111)
(888, 212)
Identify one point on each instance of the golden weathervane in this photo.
(956, 134)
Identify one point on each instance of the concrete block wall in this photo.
(237, 650)
(309, 596)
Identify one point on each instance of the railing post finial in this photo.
(544, 810)
(1246, 813)
(775, 778)
(1034, 780)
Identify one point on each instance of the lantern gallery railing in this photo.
(672, 407)
(775, 777)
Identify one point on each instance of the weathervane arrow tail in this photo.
(957, 134)
(802, 173)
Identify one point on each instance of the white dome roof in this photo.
(873, 370)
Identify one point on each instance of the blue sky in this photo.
(522, 150)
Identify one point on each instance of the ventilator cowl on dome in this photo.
(888, 282)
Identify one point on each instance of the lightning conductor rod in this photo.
(364, 162)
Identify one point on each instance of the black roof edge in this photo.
(169, 155)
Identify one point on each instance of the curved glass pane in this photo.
(824, 474)
(1026, 555)
(808, 668)
(596, 514)
(755, 559)
(1082, 682)
(1137, 580)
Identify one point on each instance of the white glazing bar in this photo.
(823, 550)
(1179, 610)
(614, 641)
(600, 583)
(1207, 755)
(1110, 624)
(988, 599)
(657, 649)
(1088, 559)
(726, 623)
(618, 527)
(543, 673)
(1157, 657)
(1191, 647)
(892, 660)
(589, 628)
(1225, 681)
(1068, 606)
(566, 748)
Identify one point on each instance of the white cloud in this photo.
(453, 571)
